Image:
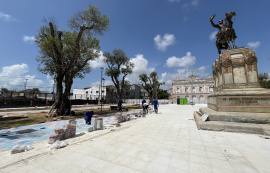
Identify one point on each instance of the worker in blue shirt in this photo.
(88, 116)
(155, 103)
(120, 105)
(143, 101)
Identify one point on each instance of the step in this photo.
(252, 128)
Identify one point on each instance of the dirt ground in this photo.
(36, 118)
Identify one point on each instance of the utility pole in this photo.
(101, 69)
(25, 83)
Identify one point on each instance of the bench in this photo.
(114, 108)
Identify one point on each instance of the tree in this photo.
(151, 84)
(119, 66)
(4, 90)
(65, 54)
(35, 92)
(263, 80)
(163, 94)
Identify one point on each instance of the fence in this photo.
(139, 101)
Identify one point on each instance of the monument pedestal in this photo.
(237, 92)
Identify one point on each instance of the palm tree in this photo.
(35, 92)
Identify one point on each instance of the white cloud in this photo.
(254, 45)
(212, 36)
(174, 0)
(28, 39)
(191, 4)
(185, 61)
(98, 62)
(185, 6)
(5, 17)
(195, 2)
(163, 43)
(140, 67)
(14, 76)
(182, 74)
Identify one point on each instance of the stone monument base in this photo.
(253, 100)
(238, 104)
(242, 122)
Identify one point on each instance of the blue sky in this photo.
(171, 37)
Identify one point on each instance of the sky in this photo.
(172, 37)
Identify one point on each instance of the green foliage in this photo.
(151, 84)
(65, 54)
(163, 94)
(4, 90)
(263, 79)
(119, 66)
(35, 92)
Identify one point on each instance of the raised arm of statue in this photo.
(212, 23)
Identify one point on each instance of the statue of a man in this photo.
(220, 26)
(226, 32)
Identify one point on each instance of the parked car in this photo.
(191, 103)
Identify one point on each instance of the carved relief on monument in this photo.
(227, 65)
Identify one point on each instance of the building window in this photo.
(200, 89)
(193, 89)
(210, 89)
(178, 90)
(186, 89)
(96, 92)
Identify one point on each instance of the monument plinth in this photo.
(237, 87)
(238, 103)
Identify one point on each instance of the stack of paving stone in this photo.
(122, 117)
(68, 131)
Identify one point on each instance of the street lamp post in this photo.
(101, 69)
(103, 90)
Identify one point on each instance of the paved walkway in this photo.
(166, 142)
(32, 134)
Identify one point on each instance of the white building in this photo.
(92, 93)
(193, 88)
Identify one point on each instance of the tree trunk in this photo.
(59, 93)
(150, 97)
(65, 100)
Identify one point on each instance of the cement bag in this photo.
(63, 144)
(59, 144)
(55, 145)
(21, 148)
(90, 129)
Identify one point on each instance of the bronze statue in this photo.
(226, 33)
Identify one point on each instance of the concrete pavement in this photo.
(166, 142)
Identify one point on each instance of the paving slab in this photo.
(166, 142)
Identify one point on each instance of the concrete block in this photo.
(204, 117)
(53, 138)
(59, 131)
